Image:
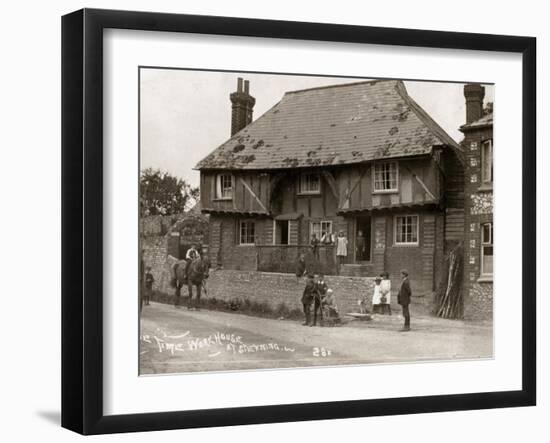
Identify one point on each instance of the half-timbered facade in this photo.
(361, 158)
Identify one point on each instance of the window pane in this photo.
(315, 229)
(224, 186)
(247, 232)
(310, 183)
(385, 176)
(487, 260)
(414, 229)
(487, 157)
(486, 236)
(406, 229)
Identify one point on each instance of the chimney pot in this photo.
(239, 84)
(246, 86)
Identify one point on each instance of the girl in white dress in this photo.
(376, 296)
(385, 293)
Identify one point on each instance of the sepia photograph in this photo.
(295, 221)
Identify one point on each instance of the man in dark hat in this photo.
(321, 288)
(307, 297)
(404, 299)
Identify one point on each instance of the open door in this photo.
(363, 239)
(282, 234)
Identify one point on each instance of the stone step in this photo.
(357, 270)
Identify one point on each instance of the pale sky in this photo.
(187, 114)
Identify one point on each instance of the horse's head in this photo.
(201, 267)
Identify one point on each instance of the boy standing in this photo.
(149, 279)
(301, 266)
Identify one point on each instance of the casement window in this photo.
(385, 177)
(406, 230)
(487, 162)
(487, 249)
(247, 232)
(320, 229)
(224, 186)
(310, 183)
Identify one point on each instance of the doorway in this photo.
(363, 239)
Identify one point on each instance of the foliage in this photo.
(162, 193)
(240, 305)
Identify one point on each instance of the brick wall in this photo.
(231, 254)
(154, 255)
(479, 301)
(276, 288)
(156, 224)
(423, 262)
(478, 209)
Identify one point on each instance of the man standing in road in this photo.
(321, 288)
(307, 297)
(404, 299)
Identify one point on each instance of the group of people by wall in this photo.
(317, 295)
(321, 298)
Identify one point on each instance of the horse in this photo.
(197, 273)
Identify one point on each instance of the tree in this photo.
(162, 193)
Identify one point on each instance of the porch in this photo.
(283, 258)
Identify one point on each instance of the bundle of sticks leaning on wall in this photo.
(449, 300)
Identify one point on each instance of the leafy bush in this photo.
(238, 304)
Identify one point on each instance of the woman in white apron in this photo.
(385, 293)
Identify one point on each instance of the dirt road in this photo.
(177, 340)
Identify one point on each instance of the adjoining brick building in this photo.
(360, 157)
(478, 206)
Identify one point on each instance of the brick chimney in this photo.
(242, 104)
(474, 94)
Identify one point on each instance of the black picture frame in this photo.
(82, 218)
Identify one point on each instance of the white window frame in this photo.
(401, 243)
(303, 184)
(486, 143)
(220, 191)
(375, 181)
(319, 233)
(241, 243)
(483, 245)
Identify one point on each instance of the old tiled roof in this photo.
(486, 120)
(333, 125)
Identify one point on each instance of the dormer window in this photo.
(487, 162)
(224, 186)
(385, 177)
(310, 183)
